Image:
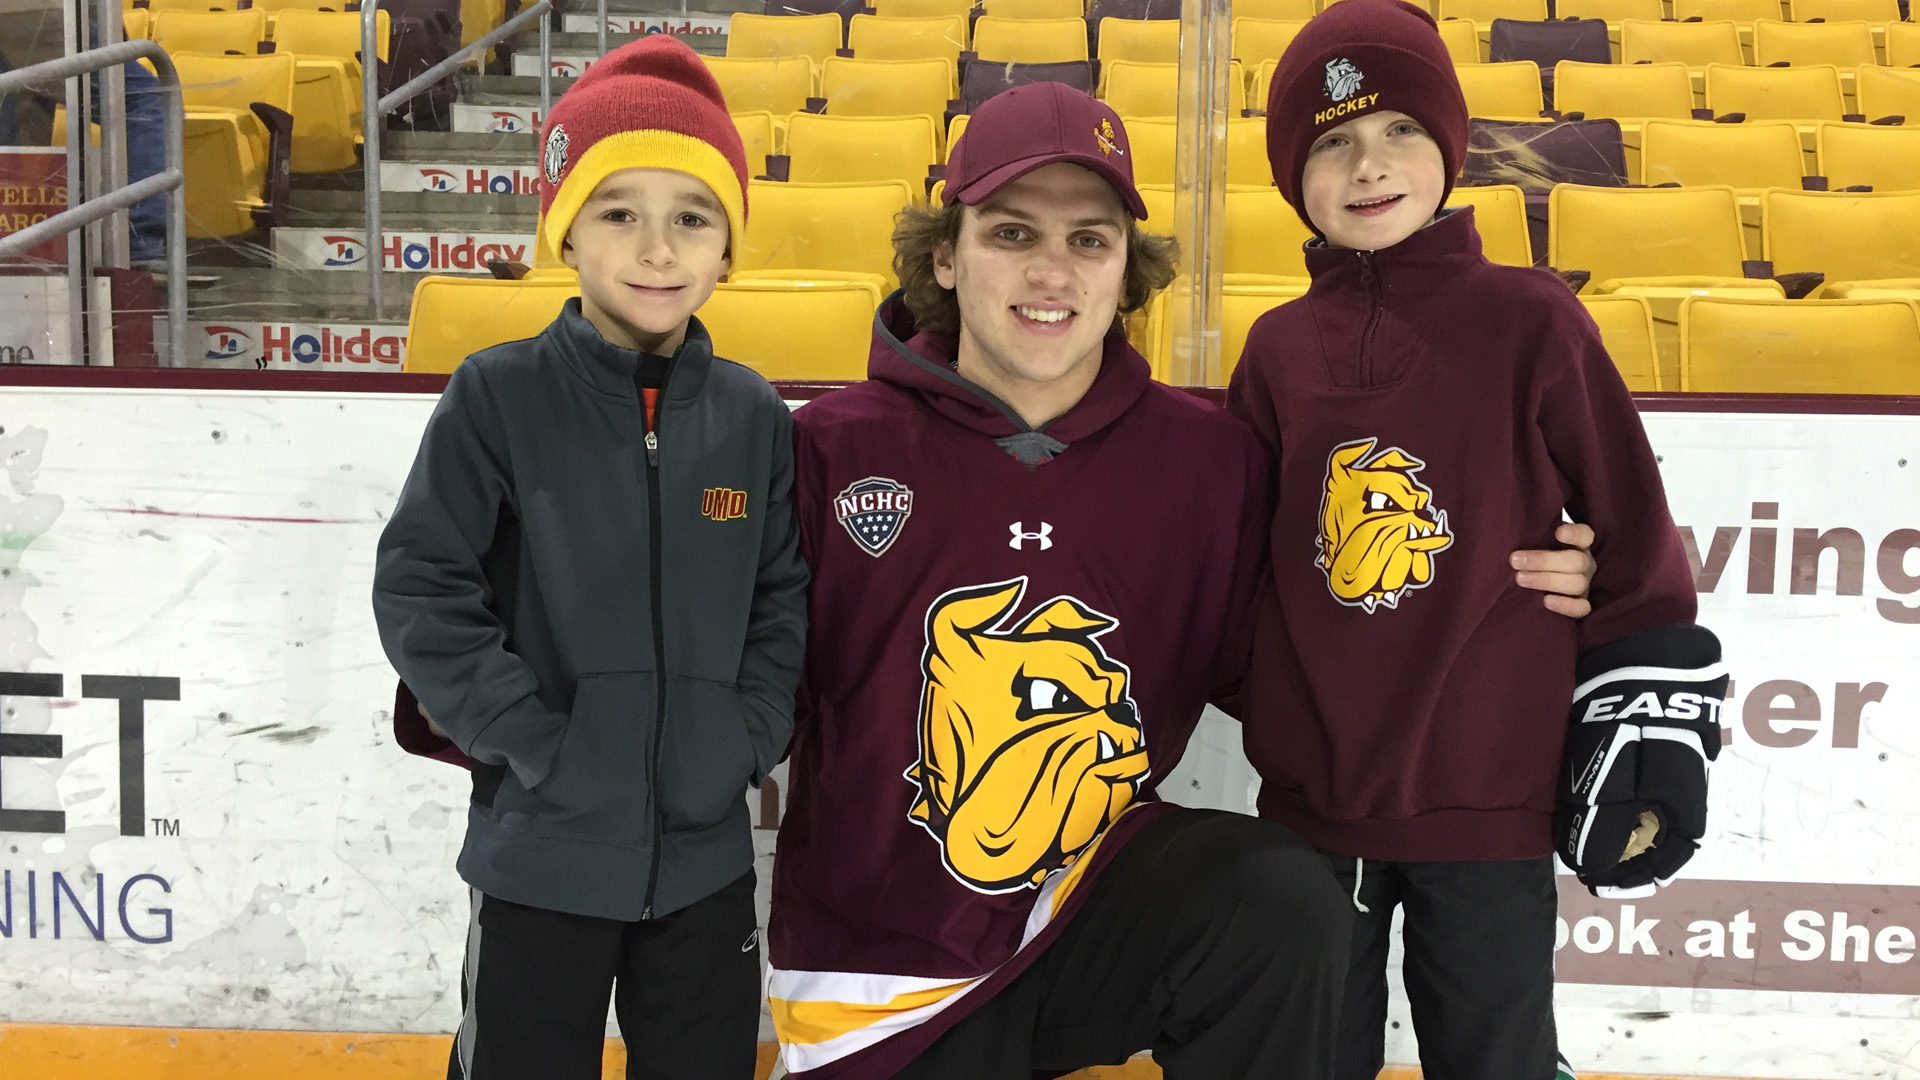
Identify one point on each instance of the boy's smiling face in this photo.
(1373, 181)
(649, 245)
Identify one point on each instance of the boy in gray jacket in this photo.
(593, 586)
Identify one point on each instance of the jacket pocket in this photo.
(597, 789)
(706, 758)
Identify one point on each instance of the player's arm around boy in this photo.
(592, 583)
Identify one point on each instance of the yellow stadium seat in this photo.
(157, 6)
(1848, 236)
(1241, 305)
(1745, 12)
(1628, 92)
(779, 86)
(1146, 41)
(228, 146)
(1903, 44)
(1029, 41)
(1502, 91)
(1263, 234)
(1801, 347)
(1035, 9)
(479, 17)
(1153, 149)
(326, 84)
(1262, 83)
(759, 135)
(213, 32)
(1137, 89)
(1645, 232)
(920, 9)
(888, 88)
(134, 23)
(273, 6)
(1759, 154)
(1888, 91)
(1883, 158)
(860, 149)
(1626, 329)
(1805, 94)
(1485, 11)
(1693, 44)
(1301, 10)
(455, 317)
(1876, 12)
(955, 128)
(764, 37)
(872, 37)
(794, 330)
(1500, 216)
(1613, 11)
(1882, 289)
(1256, 41)
(822, 231)
(1842, 44)
(327, 33)
(1463, 42)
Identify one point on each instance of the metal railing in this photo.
(375, 108)
(170, 181)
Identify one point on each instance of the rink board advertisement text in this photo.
(204, 559)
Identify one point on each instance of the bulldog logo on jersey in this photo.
(873, 511)
(1379, 529)
(1029, 743)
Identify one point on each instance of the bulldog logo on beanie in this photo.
(1343, 79)
(556, 158)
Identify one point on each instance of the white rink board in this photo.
(226, 540)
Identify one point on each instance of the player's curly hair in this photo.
(919, 231)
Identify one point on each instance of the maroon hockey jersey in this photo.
(1431, 413)
(1003, 657)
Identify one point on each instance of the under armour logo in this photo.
(1045, 535)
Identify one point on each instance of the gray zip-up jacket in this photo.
(654, 606)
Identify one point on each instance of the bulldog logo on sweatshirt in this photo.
(1029, 743)
(1379, 529)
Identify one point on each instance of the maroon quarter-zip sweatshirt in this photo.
(1432, 412)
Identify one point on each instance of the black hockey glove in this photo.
(1645, 729)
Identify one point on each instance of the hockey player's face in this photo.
(1039, 270)
(1373, 181)
(650, 245)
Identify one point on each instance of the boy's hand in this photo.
(431, 726)
(1564, 575)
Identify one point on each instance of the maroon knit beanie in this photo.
(650, 103)
(1357, 57)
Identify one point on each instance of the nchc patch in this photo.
(873, 511)
(723, 504)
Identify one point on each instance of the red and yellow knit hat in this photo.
(653, 104)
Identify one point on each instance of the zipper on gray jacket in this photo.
(652, 440)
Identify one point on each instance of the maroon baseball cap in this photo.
(1017, 131)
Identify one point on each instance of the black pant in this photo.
(1216, 940)
(686, 990)
(1479, 967)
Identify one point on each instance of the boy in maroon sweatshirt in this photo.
(1406, 704)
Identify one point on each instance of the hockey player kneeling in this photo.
(1645, 731)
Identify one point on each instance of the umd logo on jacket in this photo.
(1378, 528)
(1030, 745)
(723, 504)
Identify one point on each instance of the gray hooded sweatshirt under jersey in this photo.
(607, 616)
